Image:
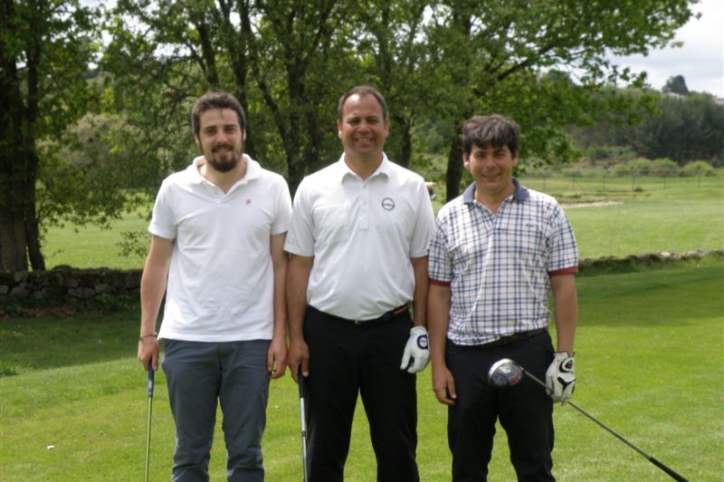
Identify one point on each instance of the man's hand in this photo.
(443, 384)
(148, 352)
(560, 378)
(298, 357)
(276, 357)
(416, 349)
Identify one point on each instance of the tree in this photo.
(284, 60)
(46, 47)
(491, 46)
(676, 85)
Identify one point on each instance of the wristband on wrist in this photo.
(147, 336)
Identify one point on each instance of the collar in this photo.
(521, 193)
(343, 170)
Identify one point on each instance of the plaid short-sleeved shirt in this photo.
(498, 264)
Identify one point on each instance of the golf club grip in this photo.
(150, 381)
(302, 384)
(673, 474)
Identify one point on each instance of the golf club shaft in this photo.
(302, 397)
(148, 422)
(651, 459)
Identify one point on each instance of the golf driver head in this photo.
(505, 373)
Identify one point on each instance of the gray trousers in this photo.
(199, 376)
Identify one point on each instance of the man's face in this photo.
(363, 130)
(221, 139)
(491, 168)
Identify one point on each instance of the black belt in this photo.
(515, 337)
(386, 317)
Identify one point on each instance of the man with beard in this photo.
(217, 252)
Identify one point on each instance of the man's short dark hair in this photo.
(495, 130)
(362, 90)
(216, 99)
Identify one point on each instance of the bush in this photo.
(698, 168)
(664, 168)
(621, 170)
(639, 167)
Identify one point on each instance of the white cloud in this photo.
(700, 60)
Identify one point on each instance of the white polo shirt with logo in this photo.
(362, 235)
(220, 282)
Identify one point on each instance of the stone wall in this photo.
(64, 284)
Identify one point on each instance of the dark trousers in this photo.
(345, 360)
(525, 411)
(202, 375)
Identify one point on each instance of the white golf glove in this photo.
(416, 349)
(560, 378)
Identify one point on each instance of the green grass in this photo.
(652, 215)
(650, 363)
(648, 216)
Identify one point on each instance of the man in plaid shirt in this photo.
(495, 255)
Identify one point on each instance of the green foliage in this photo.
(664, 167)
(47, 48)
(603, 153)
(698, 168)
(682, 129)
(676, 85)
(437, 62)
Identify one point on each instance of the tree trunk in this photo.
(454, 173)
(19, 237)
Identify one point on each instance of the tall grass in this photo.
(649, 364)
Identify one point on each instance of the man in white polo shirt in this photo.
(218, 253)
(358, 243)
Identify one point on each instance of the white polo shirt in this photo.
(220, 282)
(362, 235)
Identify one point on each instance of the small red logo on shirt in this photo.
(248, 202)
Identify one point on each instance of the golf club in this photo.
(302, 396)
(506, 373)
(148, 423)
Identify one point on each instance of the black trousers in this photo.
(347, 359)
(525, 411)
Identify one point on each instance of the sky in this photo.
(700, 60)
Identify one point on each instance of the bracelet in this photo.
(146, 336)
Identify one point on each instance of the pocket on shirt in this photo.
(332, 223)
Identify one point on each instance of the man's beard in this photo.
(227, 164)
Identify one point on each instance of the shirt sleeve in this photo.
(563, 246)
(439, 263)
(163, 224)
(424, 224)
(300, 237)
(284, 208)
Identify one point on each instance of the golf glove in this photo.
(560, 378)
(417, 353)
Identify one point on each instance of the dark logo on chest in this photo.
(388, 204)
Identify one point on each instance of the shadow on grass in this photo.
(672, 296)
(52, 342)
(653, 297)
